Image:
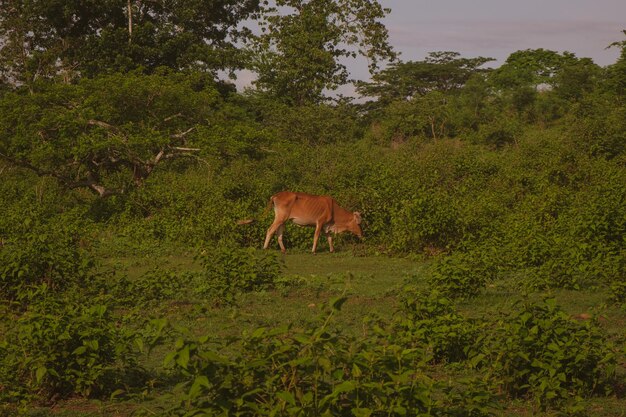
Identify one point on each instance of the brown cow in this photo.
(320, 211)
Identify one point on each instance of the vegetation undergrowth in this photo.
(134, 190)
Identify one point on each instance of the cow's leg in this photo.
(316, 236)
(280, 231)
(270, 233)
(330, 242)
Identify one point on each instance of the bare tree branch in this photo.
(183, 134)
(167, 119)
(100, 123)
(180, 148)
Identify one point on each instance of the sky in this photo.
(497, 28)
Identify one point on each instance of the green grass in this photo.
(372, 284)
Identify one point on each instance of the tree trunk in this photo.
(130, 22)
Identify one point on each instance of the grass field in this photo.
(372, 285)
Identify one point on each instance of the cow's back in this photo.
(304, 209)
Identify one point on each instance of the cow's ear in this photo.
(357, 217)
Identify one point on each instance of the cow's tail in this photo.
(269, 206)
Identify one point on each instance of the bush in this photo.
(430, 318)
(152, 287)
(48, 254)
(463, 274)
(59, 348)
(228, 271)
(541, 352)
(314, 371)
(426, 221)
(618, 292)
(502, 132)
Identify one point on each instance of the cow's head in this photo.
(355, 224)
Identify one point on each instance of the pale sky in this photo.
(497, 28)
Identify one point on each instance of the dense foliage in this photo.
(514, 177)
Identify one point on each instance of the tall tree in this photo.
(299, 53)
(49, 38)
(531, 68)
(576, 78)
(617, 72)
(527, 73)
(444, 72)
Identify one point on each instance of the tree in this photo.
(299, 53)
(575, 79)
(51, 38)
(534, 68)
(105, 134)
(560, 77)
(444, 72)
(616, 76)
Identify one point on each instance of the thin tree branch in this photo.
(183, 134)
(100, 123)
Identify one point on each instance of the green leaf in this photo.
(198, 383)
(116, 394)
(345, 386)
(551, 303)
(40, 373)
(79, 350)
(182, 358)
(336, 303)
(324, 363)
(287, 397)
(258, 333)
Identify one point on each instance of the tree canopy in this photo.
(105, 134)
(50, 38)
(440, 71)
(301, 49)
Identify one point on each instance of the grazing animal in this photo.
(320, 211)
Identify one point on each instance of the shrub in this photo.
(431, 318)
(400, 122)
(153, 287)
(60, 348)
(541, 352)
(46, 254)
(314, 371)
(228, 271)
(503, 131)
(463, 274)
(426, 221)
(618, 292)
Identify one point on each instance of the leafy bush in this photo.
(152, 287)
(501, 132)
(463, 275)
(597, 124)
(540, 352)
(430, 318)
(428, 220)
(400, 122)
(618, 292)
(228, 271)
(314, 371)
(310, 124)
(60, 348)
(45, 254)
